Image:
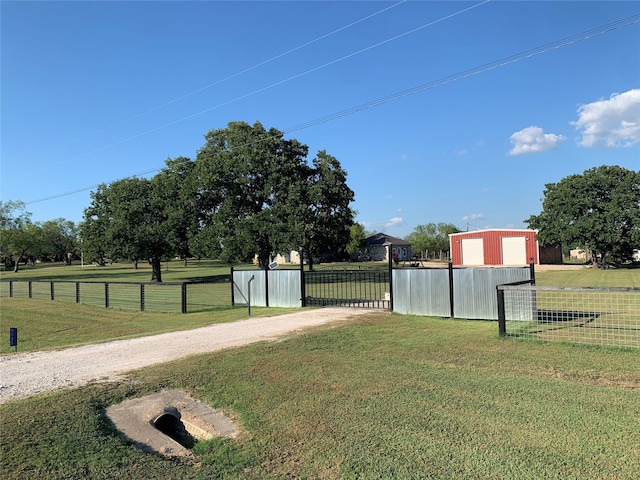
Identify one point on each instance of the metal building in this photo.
(500, 247)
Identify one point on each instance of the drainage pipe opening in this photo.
(172, 426)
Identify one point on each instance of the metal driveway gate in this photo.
(364, 288)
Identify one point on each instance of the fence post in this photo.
(451, 298)
(233, 300)
(10, 288)
(184, 297)
(30, 289)
(390, 257)
(532, 272)
(303, 288)
(77, 292)
(502, 320)
(106, 295)
(142, 297)
(53, 294)
(266, 287)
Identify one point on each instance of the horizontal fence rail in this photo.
(586, 315)
(348, 288)
(166, 297)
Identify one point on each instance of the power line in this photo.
(567, 41)
(278, 83)
(220, 81)
(546, 48)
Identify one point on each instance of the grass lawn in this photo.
(173, 271)
(44, 325)
(386, 396)
(590, 277)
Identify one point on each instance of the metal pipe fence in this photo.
(585, 315)
(166, 297)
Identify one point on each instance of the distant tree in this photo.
(599, 210)
(257, 195)
(431, 237)
(357, 236)
(19, 237)
(59, 239)
(95, 245)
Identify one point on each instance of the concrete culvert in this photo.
(169, 423)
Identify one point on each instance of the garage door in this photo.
(514, 251)
(472, 251)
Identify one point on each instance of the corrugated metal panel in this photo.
(474, 290)
(421, 292)
(284, 288)
(426, 291)
(241, 287)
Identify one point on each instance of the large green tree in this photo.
(128, 220)
(258, 195)
(178, 199)
(431, 238)
(326, 215)
(598, 210)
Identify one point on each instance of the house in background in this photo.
(377, 248)
(501, 247)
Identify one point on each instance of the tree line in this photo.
(24, 241)
(249, 192)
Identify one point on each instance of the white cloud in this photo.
(394, 222)
(611, 123)
(533, 139)
(473, 216)
(382, 226)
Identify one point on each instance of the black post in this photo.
(53, 293)
(249, 294)
(106, 295)
(266, 287)
(451, 298)
(303, 292)
(502, 320)
(77, 292)
(532, 272)
(142, 297)
(233, 300)
(10, 288)
(534, 296)
(390, 256)
(30, 289)
(184, 297)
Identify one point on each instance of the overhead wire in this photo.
(225, 79)
(280, 82)
(503, 62)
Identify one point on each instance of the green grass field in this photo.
(387, 396)
(384, 397)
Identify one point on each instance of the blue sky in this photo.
(481, 103)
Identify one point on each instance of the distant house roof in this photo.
(384, 239)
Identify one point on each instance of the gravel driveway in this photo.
(26, 374)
